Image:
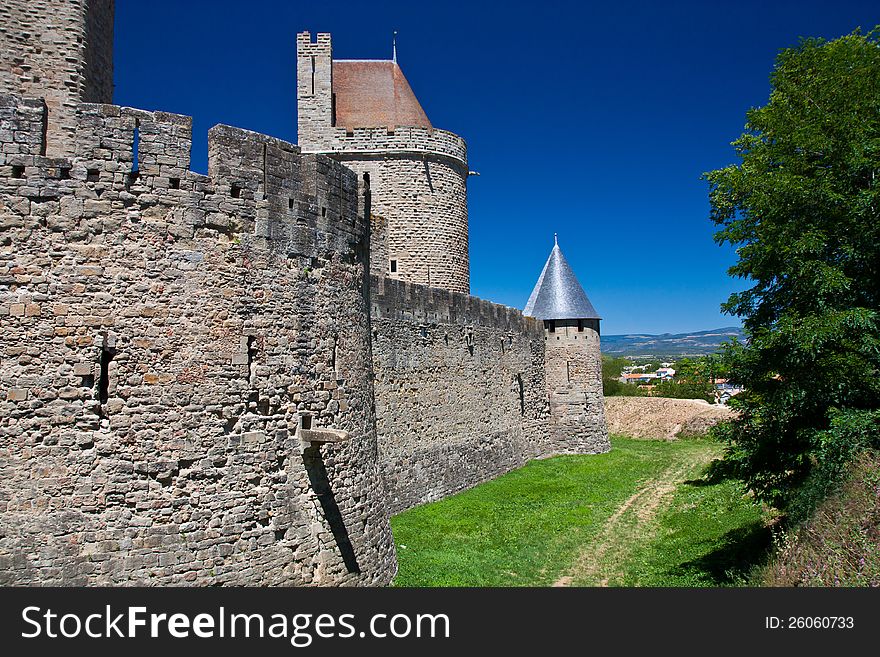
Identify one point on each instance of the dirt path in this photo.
(631, 524)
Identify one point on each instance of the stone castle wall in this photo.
(168, 338)
(418, 178)
(60, 51)
(200, 383)
(460, 390)
(573, 367)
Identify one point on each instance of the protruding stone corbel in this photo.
(309, 437)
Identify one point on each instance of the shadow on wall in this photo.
(320, 482)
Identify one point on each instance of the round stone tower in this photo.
(364, 114)
(61, 52)
(572, 359)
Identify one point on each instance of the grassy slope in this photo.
(840, 544)
(708, 536)
(534, 526)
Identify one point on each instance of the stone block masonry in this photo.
(418, 176)
(460, 390)
(166, 337)
(573, 369)
(59, 51)
(200, 383)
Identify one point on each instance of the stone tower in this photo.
(364, 114)
(572, 359)
(59, 51)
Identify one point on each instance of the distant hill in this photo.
(697, 343)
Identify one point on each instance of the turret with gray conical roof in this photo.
(572, 358)
(558, 295)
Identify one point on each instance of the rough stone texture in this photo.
(192, 366)
(573, 369)
(460, 391)
(378, 243)
(418, 177)
(164, 335)
(661, 418)
(60, 51)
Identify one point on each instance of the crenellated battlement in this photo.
(395, 299)
(200, 382)
(400, 140)
(170, 339)
(460, 390)
(364, 113)
(321, 44)
(61, 52)
(126, 157)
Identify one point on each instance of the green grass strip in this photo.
(529, 527)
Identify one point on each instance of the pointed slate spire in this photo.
(558, 295)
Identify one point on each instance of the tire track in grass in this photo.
(632, 523)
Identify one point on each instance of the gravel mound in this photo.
(661, 418)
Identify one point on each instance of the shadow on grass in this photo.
(740, 550)
(717, 471)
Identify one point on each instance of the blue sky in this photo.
(592, 120)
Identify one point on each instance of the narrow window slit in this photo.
(135, 148)
(174, 183)
(265, 170)
(522, 401)
(251, 351)
(44, 130)
(235, 191)
(107, 354)
(17, 171)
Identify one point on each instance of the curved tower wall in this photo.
(417, 177)
(573, 371)
(61, 52)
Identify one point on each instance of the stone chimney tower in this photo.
(59, 51)
(572, 359)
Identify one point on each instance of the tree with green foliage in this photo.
(612, 368)
(694, 379)
(802, 208)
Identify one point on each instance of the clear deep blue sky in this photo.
(593, 120)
